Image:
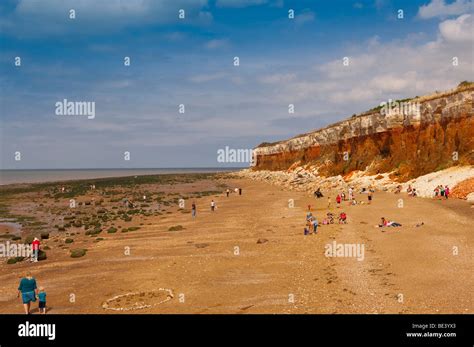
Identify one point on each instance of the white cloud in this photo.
(439, 8)
(459, 29)
(380, 70)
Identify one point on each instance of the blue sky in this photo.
(190, 61)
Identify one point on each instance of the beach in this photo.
(248, 256)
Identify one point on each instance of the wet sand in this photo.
(215, 265)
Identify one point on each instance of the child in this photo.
(42, 300)
(314, 222)
(343, 218)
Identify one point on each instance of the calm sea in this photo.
(36, 176)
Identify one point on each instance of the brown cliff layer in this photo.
(409, 146)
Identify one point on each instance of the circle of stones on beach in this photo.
(140, 303)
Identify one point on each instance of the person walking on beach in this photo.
(446, 192)
(227, 192)
(314, 222)
(338, 200)
(213, 205)
(28, 291)
(42, 300)
(329, 202)
(193, 210)
(369, 196)
(240, 191)
(35, 245)
(351, 192)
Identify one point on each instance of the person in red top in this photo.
(338, 200)
(342, 218)
(36, 245)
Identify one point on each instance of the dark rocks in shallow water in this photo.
(259, 241)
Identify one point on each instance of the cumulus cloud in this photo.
(439, 8)
(459, 29)
(381, 70)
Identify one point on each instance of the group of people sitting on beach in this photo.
(411, 191)
(312, 222)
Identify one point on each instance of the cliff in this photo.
(404, 144)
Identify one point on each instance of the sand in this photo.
(215, 265)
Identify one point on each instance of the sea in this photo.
(39, 176)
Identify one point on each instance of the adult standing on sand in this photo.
(193, 209)
(227, 192)
(369, 196)
(240, 191)
(213, 205)
(35, 244)
(338, 200)
(28, 291)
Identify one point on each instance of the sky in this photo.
(190, 61)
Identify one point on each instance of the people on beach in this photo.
(240, 191)
(42, 300)
(329, 202)
(36, 247)
(28, 290)
(386, 223)
(330, 218)
(369, 197)
(227, 192)
(351, 193)
(338, 200)
(213, 205)
(193, 209)
(446, 192)
(318, 194)
(314, 223)
(342, 218)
